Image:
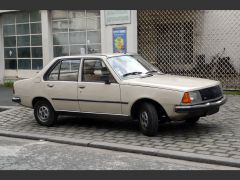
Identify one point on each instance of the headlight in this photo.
(195, 97)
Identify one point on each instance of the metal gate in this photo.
(203, 43)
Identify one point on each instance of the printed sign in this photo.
(117, 17)
(120, 40)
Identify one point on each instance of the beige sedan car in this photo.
(123, 85)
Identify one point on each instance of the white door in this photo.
(61, 85)
(94, 95)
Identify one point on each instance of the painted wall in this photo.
(107, 36)
(221, 29)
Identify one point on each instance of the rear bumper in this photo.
(207, 107)
(16, 99)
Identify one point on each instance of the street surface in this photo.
(24, 154)
(6, 96)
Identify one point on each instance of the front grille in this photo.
(211, 93)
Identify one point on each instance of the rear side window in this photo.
(66, 70)
(69, 70)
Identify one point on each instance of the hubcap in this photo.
(144, 119)
(43, 113)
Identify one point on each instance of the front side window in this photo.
(126, 66)
(94, 69)
(66, 70)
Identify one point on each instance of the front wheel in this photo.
(148, 119)
(44, 113)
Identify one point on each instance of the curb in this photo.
(62, 140)
(128, 148)
(168, 154)
(6, 109)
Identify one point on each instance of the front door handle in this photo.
(50, 85)
(81, 86)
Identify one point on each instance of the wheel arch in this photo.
(38, 98)
(160, 110)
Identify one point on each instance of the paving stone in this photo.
(228, 148)
(236, 157)
(188, 150)
(174, 148)
(201, 148)
(204, 152)
(220, 154)
(171, 145)
(234, 152)
(218, 150)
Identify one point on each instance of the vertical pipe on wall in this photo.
(2, 64)
(47, 40)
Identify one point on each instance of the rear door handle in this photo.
(50, 85)
(81, 86)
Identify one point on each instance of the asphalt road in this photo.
(21, 154)
(6, 97)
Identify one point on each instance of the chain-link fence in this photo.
(204, 43)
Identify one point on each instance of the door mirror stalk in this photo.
(105, 78)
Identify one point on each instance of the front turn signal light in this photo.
(186, 98)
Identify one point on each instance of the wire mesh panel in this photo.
(203, 43)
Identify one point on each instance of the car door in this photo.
(61, 85)
(94, 95)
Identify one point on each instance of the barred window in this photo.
(76, 32)
(22, 33)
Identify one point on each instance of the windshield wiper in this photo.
(132, 73)
(149, 72)
(154, 71)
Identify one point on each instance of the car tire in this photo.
(148, 119)
(192, 120)
(44, 113)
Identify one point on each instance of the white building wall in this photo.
(107, 36)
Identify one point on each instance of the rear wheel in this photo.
(44, 113)
(148, 119)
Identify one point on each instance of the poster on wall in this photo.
(120, 40)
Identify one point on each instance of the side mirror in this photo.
(105, 78)
(105, 75)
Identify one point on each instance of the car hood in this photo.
(173, 82)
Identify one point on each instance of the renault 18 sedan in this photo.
(123, 85)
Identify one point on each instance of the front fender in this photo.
(166, 98)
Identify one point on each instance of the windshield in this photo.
(129, 66)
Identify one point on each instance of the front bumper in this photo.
(16, 99)
(206, 107)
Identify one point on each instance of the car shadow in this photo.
(170, 128)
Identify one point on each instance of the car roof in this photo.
(96, 55)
